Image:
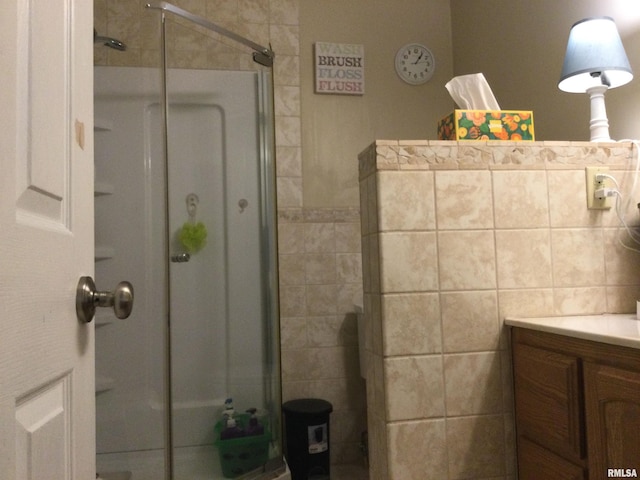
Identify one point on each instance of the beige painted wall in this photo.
(520, 47)
(335, 128)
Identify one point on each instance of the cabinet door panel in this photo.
(537, 463)
(547, 394)
(612, 403)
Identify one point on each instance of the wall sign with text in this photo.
(339, 68)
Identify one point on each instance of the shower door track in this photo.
(262, 55)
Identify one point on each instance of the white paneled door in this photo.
(47, 399)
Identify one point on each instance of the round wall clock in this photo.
(415, 63)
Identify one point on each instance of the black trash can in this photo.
(306, 422)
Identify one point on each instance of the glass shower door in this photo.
(223, 333)
(130, 243)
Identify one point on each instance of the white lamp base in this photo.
(599, 124)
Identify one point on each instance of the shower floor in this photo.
(191, 463)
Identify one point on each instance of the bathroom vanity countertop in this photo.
(621, 329)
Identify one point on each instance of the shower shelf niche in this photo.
(102, 188)
(104, 253)
(102, 125)
(104, 384)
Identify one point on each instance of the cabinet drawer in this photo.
(537, 463)
(548, 400)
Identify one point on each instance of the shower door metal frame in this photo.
(263, 56)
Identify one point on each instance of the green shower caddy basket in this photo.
(241, 455)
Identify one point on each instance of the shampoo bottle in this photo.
(228, 411)
(231, 430)
(254, 428)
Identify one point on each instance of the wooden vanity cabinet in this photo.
(577, 407)
(549, 413)
(612, 398)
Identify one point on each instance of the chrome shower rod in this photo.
(262, 55)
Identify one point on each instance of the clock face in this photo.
(415, 63)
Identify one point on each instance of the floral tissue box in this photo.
(513, 125)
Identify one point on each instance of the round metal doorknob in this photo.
(88, 298)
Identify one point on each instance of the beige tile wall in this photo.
(320, 260)
(320, 282)
(456, 237)
(266, 22)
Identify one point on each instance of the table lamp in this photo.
(594, 62)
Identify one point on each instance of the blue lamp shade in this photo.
(595, 56)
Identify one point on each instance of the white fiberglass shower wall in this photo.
(216, 335)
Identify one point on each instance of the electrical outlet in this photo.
(594, 203)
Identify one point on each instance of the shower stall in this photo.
(185, 210)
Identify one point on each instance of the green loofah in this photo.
(193, 236)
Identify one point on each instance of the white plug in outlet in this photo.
(594, 184)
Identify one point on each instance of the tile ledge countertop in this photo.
(621, 329)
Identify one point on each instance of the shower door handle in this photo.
(88, 298)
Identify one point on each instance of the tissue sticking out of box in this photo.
(472, 92)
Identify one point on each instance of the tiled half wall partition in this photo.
(456, 236)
